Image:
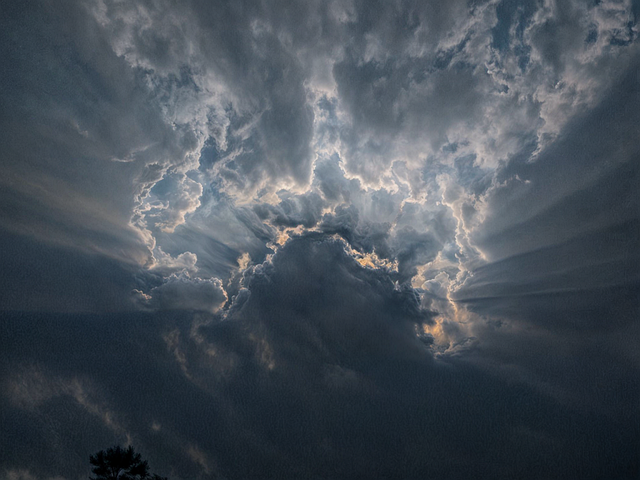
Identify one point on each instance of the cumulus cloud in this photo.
(181, 292)
(292, 210)
(164, 264)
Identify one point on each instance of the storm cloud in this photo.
(344, 239)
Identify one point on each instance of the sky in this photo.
(321, 239)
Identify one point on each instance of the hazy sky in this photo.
(321, 239)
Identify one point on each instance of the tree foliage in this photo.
(118, 463)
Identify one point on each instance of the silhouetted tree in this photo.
(119, 464)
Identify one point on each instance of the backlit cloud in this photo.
(320, 239)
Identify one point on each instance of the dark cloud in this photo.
(318, 373)
(414, 249)
(320, 239)
(364, 236)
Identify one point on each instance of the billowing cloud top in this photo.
(321, 239)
